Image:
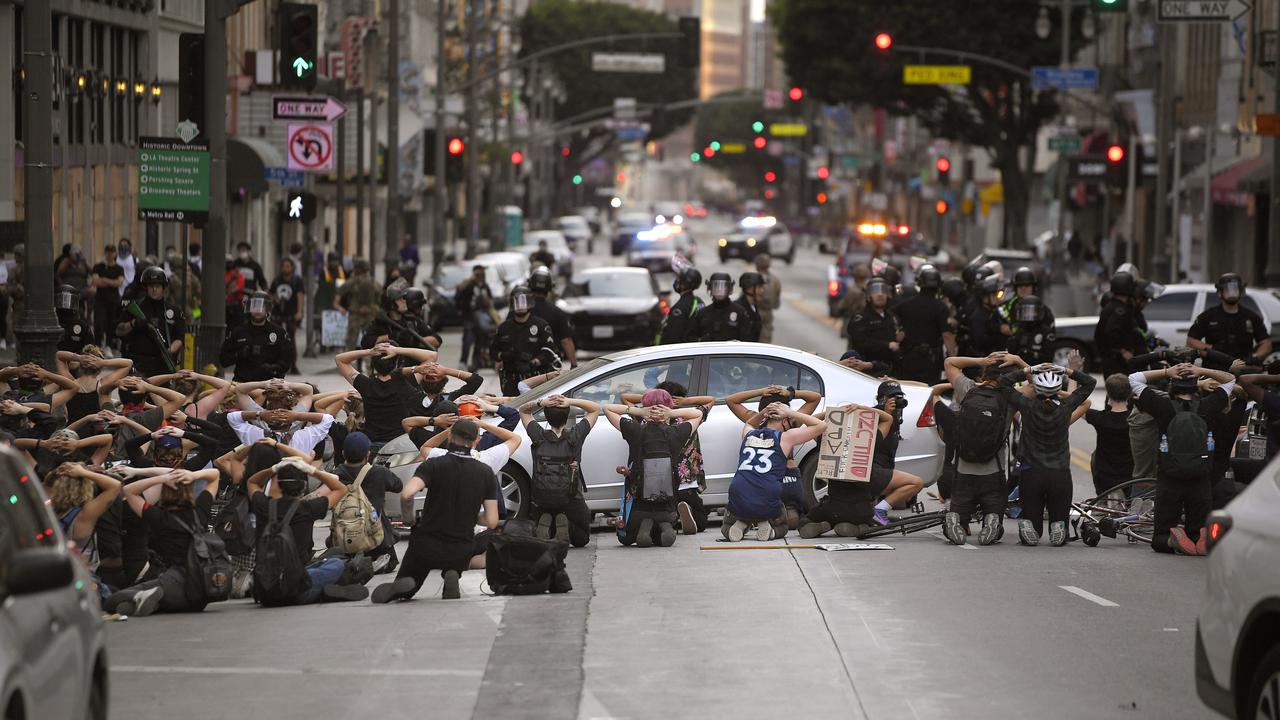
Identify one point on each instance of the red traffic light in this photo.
(770, 194)
(564, 151)
(941, 207)
(456, 146)
(822, 198)
(760, 142)
(517, 157)
(770, 176)
(708, 151)
(824, 173)
(1115, 153)
(796, 94)
(884, 41)
(944, 165)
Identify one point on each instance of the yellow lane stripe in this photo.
(814, 313)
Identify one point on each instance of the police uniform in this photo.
(982, 325)
(1120, 327)
(259, 352)
(753, 321)
(870, 333)
(924, 319)
(676, 325)
(76, 333)
(726, 320)
(559, 320)
(407, 331)
(517, 344)
(140, 343)
(1235, 334)
(1031, 340)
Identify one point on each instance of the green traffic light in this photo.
(757, 126)
(695, 157)
(577, 179)
(715, 145)
(301, 66)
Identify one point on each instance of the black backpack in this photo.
(516, 563)
(982, 424)
(555, 473)
(653, 464)
(1187, 457)
(235, 525)
(208, 571)
(279, 575)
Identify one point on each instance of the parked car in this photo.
(577, 231)
(719, 369)
(1238, 627)
(758, 235)
(53, 658)
(629, 223)
(557, 244)
(1170, 316)
(654, 249)
(441, 291)
(613, 308)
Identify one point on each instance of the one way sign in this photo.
(326, 108)
(1200, 11)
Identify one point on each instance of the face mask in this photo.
(125, 252)
(244, 255)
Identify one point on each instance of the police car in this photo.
(758, 235)
(714, 368)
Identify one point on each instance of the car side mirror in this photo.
(39, 570)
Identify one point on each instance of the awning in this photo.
(1227, 172)
(247, 161)
(1258, 179)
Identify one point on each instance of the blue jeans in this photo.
(323, 572)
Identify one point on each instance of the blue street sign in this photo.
(1045, 78)
(286, 177)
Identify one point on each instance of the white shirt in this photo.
(130, 265)
(305, 439)
(495, 457)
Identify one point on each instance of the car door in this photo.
(605, 449)
(40, 629)
(1170, 315)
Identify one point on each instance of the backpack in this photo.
(654, 457)
(982, 424)
(208, 571)
(1187, 437)
(279, 575)
(356, 526)
(555, 473)
(234, 525)
(517, 563)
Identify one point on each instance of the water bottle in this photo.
(1164, 443)
(1209, 444)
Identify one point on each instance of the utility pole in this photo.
(1164, 120)
(473, 132)
(393, 131)
(1273, 236)
(1064, 61)
(38, 330)
(441, 200)
(213, 300)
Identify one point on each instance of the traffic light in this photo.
(824, 172)
(298, 26)
(884, 41)
(454, 159)
(796, 97)
(757, 127)
(944, 170)
(760, 142)
(770, 176)
(691, 42)
(695, 157)
(941, 207)
(1113, 6)
(577, 179)
(821, 198)
(517, 158)
(191, 78)
(1115, 154)
(299, 206)
(1117, 164)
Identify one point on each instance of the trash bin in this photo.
(512, 222)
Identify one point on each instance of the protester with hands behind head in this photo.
(387, 392)
(755, 492)
(557, 485)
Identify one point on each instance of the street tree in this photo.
(828, 47)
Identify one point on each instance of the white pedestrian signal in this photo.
(299, 206)
(295, 208)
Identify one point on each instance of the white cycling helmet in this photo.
(1046, 382)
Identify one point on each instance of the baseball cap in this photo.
(168, 442)
(889, 388)
(854, 354)
(356, 447)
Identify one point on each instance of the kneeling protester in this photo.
(755, 492)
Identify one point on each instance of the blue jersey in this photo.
(755, 493)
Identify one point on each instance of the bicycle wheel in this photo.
(1135, 497)
(906, 525)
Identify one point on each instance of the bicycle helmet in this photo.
(541, 281)
(1230, 287)
(720, 285)
(1046, 382)
(928, 278)
(154, 276)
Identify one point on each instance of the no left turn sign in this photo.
(311, 147)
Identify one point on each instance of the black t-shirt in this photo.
(384, 404)
(457, 486)
(169, 539)
(303, 521)
(108, 295)
(1113, 457)
(252, 273)
(377, 483)
(1161, 407)
(286, 291)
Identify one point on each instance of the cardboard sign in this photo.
(333, 329)
(844, 451)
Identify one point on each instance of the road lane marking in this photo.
(1089, 596)
(814, 313)
(938, 534)
(346, 672)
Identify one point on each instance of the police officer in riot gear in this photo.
(523, 345)
(1230, 328)
(927, 326)
(542, 284)
(723, 319)
(1035, 324)
(875, 332)
(76, 333)
(153, 330)
(675, 326)
(397, 323)
(258, 348)
(982, 317)
(752, 285)
(1121, 332)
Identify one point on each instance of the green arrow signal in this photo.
(301, 66)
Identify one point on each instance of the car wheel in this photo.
(814, 488)
(1062, 349)
(515, 490)
(723, 258)
(791, 254)
(1264, 691)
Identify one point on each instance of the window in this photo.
(615, 284)
(1171, 307)
(635, 379)
(1211, 300)
(728, 374)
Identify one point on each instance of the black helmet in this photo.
(1024, 276)
(541, 281)
(928, 278)
(1123, 284)
(969, 275)
(750, 279)
(688, 279)
(154, 276)
(891, 275)
(521, 299)
(1230, 287)
(391, 295)
(65, 299)
(258, 301)
(988, 285)
(720, 285)
(879, 285)
(416, 299)
(1149, 290)
(953, 290)
(1028, 309)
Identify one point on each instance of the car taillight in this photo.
(1215, 529)
(833, 288)
(926, 417)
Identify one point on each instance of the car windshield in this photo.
(616, 284)
(569, 377)
(554, 242)
(452, 275)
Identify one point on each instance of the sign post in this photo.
(844, 451)
(173, 180)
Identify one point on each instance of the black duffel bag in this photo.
(517, 563)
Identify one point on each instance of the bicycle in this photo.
(1127, 509)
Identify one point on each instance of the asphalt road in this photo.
(925, 630)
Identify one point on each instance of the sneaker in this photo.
(562, 527)
(793, 518)
(242, 586)
(1058, 533)
(812, 530)
(1201, 548)
(451, 590)
(1179, 541)
(666, 534)
(146, 602)
(396, 590)
(764, 531)
(644, 538)
(1027, 534)
(736, 531)
(951, 529)
(881, 517)
(687, 524)
(344, 593)
(851, 529)
(992, 529)
(385, 564)
(543, 531)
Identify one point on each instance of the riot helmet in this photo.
(258, 304)
(1123, 284)
(522, 300)
(687, 280)
(1028, 309)
(154, 276)
(392, 299)
(1024, 277)
(720, 285)
(66, 298)
(928, 278)
(953, 290)
(749, 280)
(1230, 288)
(541, 282)
(415, 299)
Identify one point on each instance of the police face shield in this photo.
(65, 299)
(878, 289)
(1230, 291)
(1152, 290)
(1027, 312)
(719, 289)
(521, 303)
(258, 307)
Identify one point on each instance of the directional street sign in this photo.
(653, 63)
(173, 179)
(286, 177)
(1065, 143)
(307, 108)
(937, 74)
(1200, 11)
(311, 147)
(1082, 78)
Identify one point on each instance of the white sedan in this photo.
(557, 245)
(718, 369)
